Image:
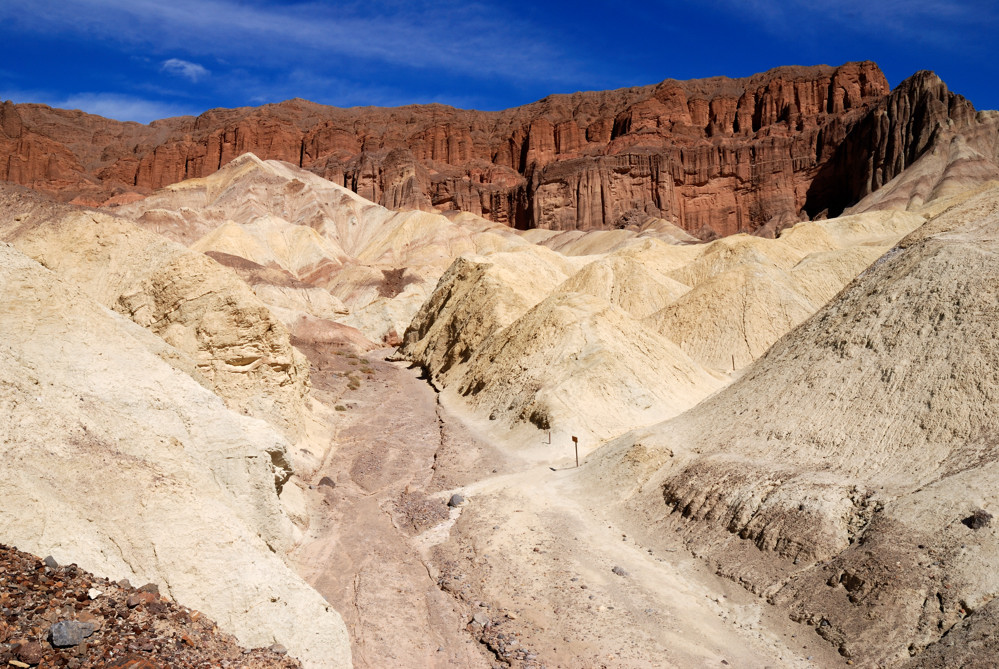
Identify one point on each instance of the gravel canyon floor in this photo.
(528, 570)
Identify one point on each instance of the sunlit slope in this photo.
(381, 264)
(661, 326)
(837, 476)
(117, 460)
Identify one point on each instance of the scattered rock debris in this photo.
(48, 618)
(416, 511)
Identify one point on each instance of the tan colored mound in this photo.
(476, 297)
(732, 318)
(823, 274)
(117, 461)
(273, 242)
(840, 475)
(627, 283)
(737, 251)
(748, 292)
(580, 243)
(581, 366)
(381, 264)
(660, 255)
(879, 228)
(796, 243)
(724, 304)
(234, 343)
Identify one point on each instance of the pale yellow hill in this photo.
(823, 274)
(637, 287)
(577, 365)
(580, 242)
(476, 297)
(723, 304)
(661, 256)
(276, 215)
(729, 253)
(123, 464)
(747, 291)
(730, 319)
(233, 343)
(837, 476)
(273, 242)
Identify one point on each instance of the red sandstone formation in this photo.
(716, 156)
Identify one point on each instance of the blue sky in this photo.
(146, 59)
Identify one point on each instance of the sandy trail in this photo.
(358, 553)
(523, 573)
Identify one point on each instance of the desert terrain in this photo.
(365, 403)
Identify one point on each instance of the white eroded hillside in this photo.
(121, 462)
(839, 475)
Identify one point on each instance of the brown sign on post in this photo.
(575, 443)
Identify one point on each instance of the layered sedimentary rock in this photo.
(715, 156)
(920, 143)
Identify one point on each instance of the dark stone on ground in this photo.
(979, 519)
(66, 633)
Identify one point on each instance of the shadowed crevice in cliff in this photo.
(920, 116)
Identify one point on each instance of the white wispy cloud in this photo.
(121, 107)
(185, 68)
(109, 105)
(449, 35)
(917, 20)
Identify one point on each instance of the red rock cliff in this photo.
(717, 155)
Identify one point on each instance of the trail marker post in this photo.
(575, 443)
